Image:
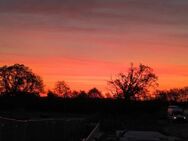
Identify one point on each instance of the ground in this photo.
(110, 126)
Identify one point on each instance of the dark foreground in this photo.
(77, 127)
(74, 119)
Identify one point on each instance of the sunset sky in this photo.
(85, 42)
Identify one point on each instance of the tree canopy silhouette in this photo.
(95, 93)
(18, 78)
(135, 83)
(62, 89)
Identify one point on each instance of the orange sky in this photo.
(85, 42)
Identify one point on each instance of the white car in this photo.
(176, 113)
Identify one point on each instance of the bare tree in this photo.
(62, 89)
(19, 79)
(135, 83)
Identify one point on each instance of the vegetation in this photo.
(95, 93)
(19, 87)
(18, 79)
(173, 95)
(62, 89)
(135, 84)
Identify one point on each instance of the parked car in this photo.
(176, 113)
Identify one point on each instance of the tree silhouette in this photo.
(82, 95)
(173, 95)
(62, 89)
(74, 94)
(134, 84)
(94, 93)
(51, 94)
(19, 79)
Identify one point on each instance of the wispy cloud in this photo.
(116, 31)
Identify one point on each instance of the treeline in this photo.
(18, 80)
(32, 103)
(173, 95)
(46, 106)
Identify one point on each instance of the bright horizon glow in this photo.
(85, 42)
